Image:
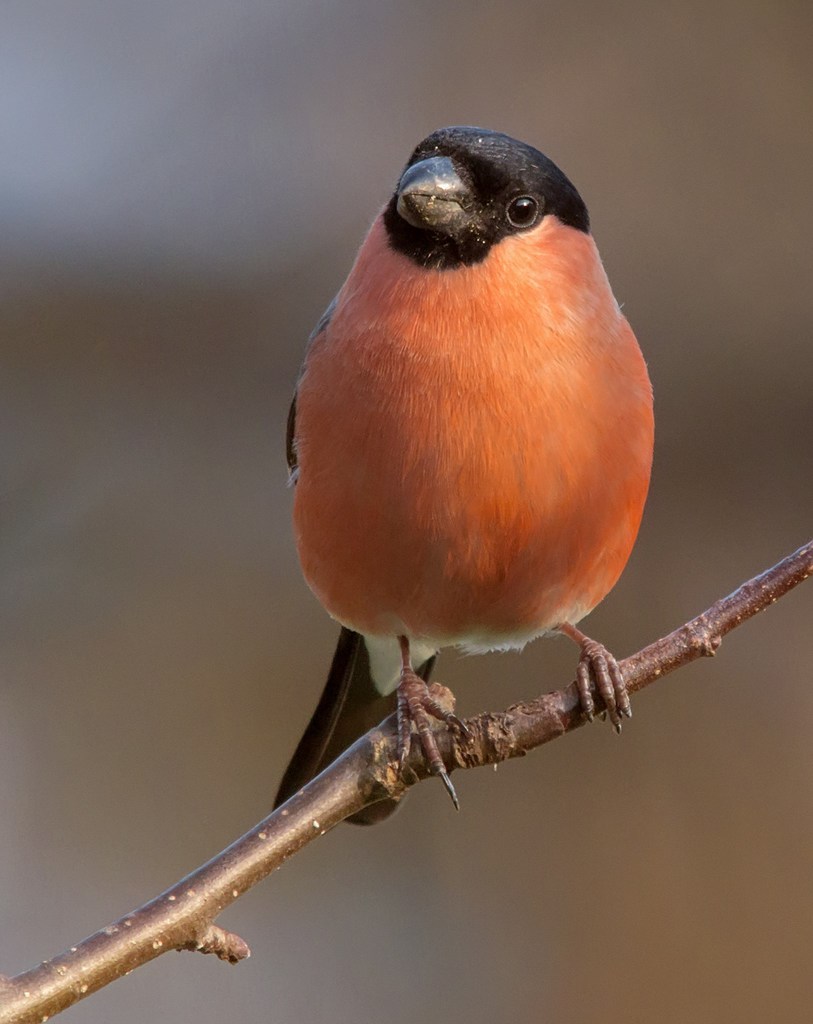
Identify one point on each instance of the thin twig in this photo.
(184, 916)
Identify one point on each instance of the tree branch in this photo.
(183, 917)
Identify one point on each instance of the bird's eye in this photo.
(522, 211)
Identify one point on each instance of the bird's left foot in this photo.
(416, 704)
(598, 665)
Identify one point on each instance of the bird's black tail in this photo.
(350, 705)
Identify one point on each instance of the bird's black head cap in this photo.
(465, 189)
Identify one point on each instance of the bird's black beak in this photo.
(432, 196)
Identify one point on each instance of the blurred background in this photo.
(182, 189)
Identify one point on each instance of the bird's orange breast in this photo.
(474, 445)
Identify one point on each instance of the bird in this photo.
(470, 443)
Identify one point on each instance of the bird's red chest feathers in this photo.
(474, 445)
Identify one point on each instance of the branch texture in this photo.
(183, 917)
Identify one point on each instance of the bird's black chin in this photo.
(432, 249)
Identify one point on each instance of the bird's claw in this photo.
(598, 666)
(417, 705)
(447, 782)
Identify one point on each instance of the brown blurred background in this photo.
(182, 188)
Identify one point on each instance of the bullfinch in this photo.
(470, 442)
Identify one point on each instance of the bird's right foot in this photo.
(417, 705)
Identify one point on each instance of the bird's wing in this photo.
(290, 433)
